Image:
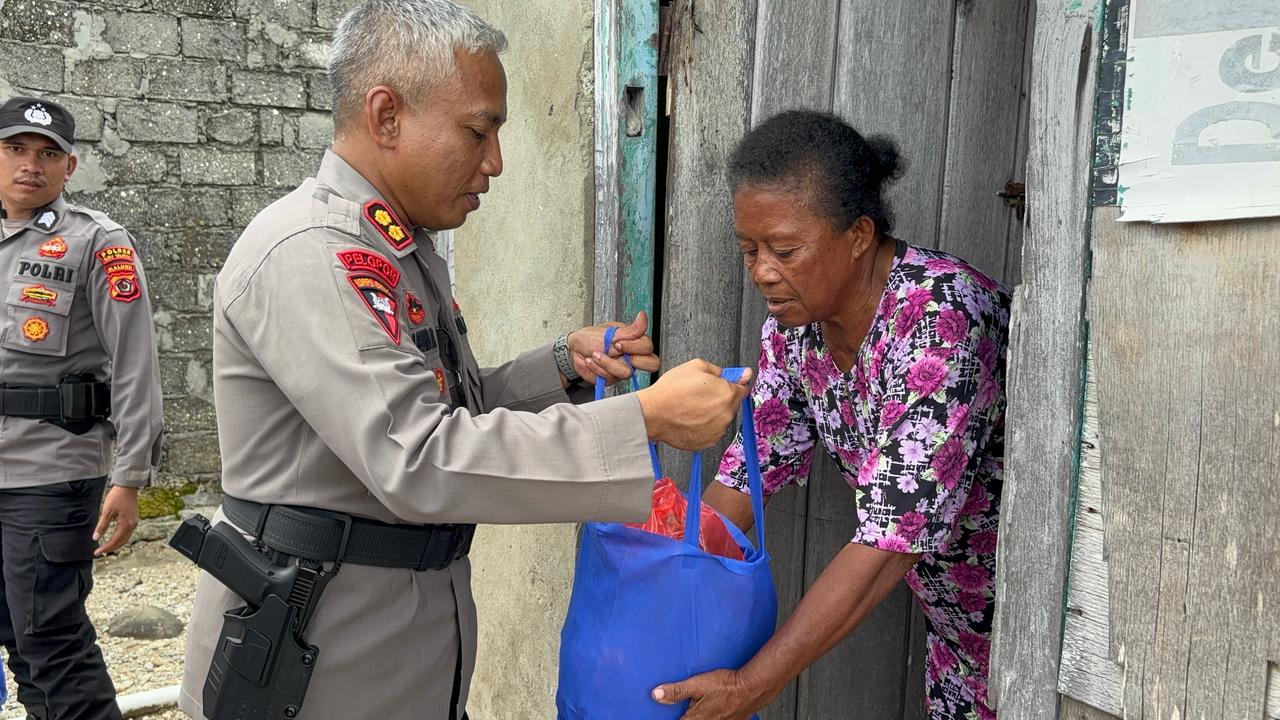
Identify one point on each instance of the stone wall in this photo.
(192, 115)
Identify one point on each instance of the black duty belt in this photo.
(64, 402)
(325, 536)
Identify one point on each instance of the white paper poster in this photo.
(1201, 136)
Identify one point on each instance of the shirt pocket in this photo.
(38, 316)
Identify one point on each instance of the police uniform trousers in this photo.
(46, 555)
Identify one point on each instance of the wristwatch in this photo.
(560, 350)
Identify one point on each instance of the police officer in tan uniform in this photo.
(79, 406)
(354, 422)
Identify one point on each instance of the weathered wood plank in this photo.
(709, 86)
(1072, 709)
(1190, 407)
(1273, 691)
(983, 132)
(1045, 362)
(794, 63)
(1088, 672)
(606, 283)
(893, 70)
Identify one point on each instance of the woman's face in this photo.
(806, 269)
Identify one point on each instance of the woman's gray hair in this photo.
(407, 45)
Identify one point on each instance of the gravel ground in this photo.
(147, 572)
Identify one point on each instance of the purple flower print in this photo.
(890, 413)
(926, 428)
(949, 462)
(776, 478)
(912, 452)
(988, 390)
(977, 503)
(778, 348)
(910, 525)
(941, 656)
(983, 542)
(731, 461)
(848, 414)
(970, 578)
(977, 647)
(816, 372)
(910, 313)
(772, 417)
(973, 602)
(926, 376)
(953, 326)
(957, 418)
(988, 352)
(893, 543)
(907, 483)
(939, 266)
(869, 467)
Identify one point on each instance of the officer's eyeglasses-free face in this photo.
(16, 150)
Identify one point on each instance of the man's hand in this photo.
(690, 406)
(120, 506)
(717, 695)
(587, 351)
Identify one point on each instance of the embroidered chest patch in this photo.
(55, 248)
(122, 274)
(417, 313)
(387, 224)
(381, 301)
(39, 295)
(35, 329)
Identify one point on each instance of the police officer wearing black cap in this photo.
(79, 410)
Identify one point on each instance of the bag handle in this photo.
(635, 386)
(751, 458)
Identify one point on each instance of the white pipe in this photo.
(148, 701)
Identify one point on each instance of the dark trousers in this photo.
(46, 572)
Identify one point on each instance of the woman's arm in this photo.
(734, 505)
(846, 592)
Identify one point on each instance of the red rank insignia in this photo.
(440, 380)
(387, 224)
(122, 274)
(417, 313)
(55, 248)
(381, 301)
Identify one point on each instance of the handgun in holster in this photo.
(261, 663)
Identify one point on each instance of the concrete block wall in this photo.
(192, 115)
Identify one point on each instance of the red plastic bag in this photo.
(667, 519)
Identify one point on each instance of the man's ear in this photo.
(72, 162)
(383, 109)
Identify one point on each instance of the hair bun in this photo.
(887, 164)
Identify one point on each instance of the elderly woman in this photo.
(890, 357)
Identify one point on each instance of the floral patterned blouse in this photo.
(917, 429)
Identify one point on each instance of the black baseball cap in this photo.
(43, 117)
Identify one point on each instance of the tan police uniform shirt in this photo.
(329, 395)
(76, 302)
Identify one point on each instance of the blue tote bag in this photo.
(648, 609)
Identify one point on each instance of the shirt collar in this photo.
(378, 221)
(47, 218)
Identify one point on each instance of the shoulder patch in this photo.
(55, 248)
(122, 274)
(417, 313)
(381, 301)
(387, 224)
(370, 262)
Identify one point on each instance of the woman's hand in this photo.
(587, 351)
(717, 695)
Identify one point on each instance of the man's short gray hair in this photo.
(407, 45)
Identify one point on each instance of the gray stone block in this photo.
(186, 374)
(271, 124)
(319, 92)
(293, 13)
(147, 33)
(330, 12)
(31, 66)
(87, 114)
(37, 21)
(115, 77)
(157, 122)
(260, 87)
(204, 248)
(188, 414)
(246, 203)
(235, 127)
(196, 453)
(207, 8)
(287, 168)
(140, 165)
(186, 80)
(162, 207)
(216, 166)
(213, 39)
(172, 289)
(315, 130)
(310, 52)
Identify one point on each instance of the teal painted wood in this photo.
(637, 72)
